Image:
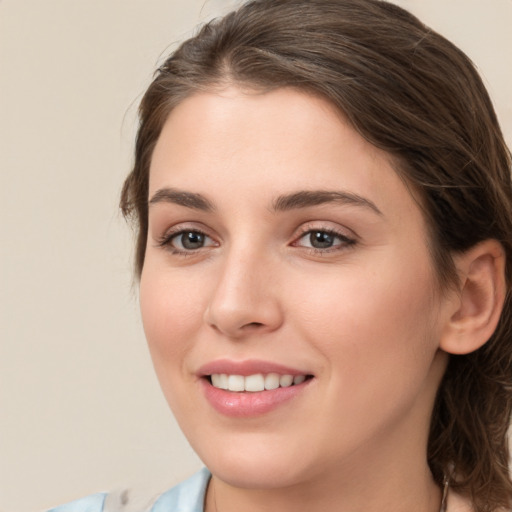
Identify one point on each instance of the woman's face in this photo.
(284, 248)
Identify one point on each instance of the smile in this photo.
(254, 383)
(250, 388)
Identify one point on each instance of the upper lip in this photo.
(247, 367)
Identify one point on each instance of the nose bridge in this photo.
(244, 298)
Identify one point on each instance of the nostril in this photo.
(253, 325)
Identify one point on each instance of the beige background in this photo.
(80, 409)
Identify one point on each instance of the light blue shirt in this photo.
(187, 496)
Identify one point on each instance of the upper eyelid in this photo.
(164, 239)
(345, 240)
(328, 231)
(188, 226)
(332, 227)
(327, 226)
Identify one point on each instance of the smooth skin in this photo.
(343, 290)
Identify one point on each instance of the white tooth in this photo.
(271, 381)
(286, 380)
(298, 379)
(235, 383)
(254, 382)
(223, 381)
(216, 380)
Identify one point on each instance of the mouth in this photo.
(256, 382)
(251, 388)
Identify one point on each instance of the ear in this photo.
(476, 309)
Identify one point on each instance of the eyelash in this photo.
(166, 241)
(345, 241)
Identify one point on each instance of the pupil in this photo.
(192, 240)
(321, 239)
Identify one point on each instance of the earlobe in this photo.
(476, 311)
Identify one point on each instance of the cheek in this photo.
(373, 327)
(171, 316)
(171, 313)
(376, 340)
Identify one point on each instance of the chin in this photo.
(260, 475)
(257, 465)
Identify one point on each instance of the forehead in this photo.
(270, 142)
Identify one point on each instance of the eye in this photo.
(323, 239)
(320, 239)
(187, 240)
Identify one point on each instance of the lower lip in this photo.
(247, 404)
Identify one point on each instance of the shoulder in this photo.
(93, 503)
(188, 496)
(458, 503)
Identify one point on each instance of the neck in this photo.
(356, 489)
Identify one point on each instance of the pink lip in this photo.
(248, 404)
(247, 367)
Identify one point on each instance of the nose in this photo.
(244, 300)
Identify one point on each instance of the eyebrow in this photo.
(307, 198)
(182, 198)
(293, 201)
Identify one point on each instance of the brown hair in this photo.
(412, 93)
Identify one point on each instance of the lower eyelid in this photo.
(165, 241)
(343, 240)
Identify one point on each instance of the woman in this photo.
(323, 203)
